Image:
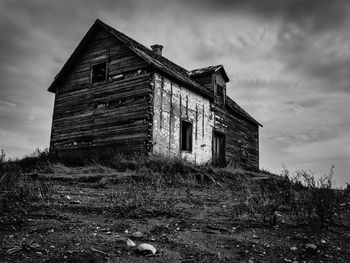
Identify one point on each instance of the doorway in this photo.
(219, 149)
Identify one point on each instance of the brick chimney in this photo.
(157, 49)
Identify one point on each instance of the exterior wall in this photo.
(173, 103)
(114, 112)
(242, 138)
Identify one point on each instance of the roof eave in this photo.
(52, 88)
(207, 94)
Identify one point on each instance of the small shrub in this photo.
(317, 197)
(2, 156)
(38, 161)
(17, 188)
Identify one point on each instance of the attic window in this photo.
(99, 72)
(186, 136)
(220, 92)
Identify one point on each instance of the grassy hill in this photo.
(85, 210)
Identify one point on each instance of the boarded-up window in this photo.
(99, 72)
(186, 136)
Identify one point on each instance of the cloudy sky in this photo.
(288, 61)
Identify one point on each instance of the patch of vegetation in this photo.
(307, 198)
(18, 188)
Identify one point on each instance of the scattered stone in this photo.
(256, 237)
(147, 248)
(75, 202)
(277, 214)
(310, 246)
(137, 234)
(51, 231)
(38, 253)
(67, 197)
(293, 248)
(234, 229)
(287, 260)
(130, 243)
(323, 241)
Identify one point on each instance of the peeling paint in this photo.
(173, 103)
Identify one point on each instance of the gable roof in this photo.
(209, 70)
(157, 61)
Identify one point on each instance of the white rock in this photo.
(293, 248)
(147, 247)
(310, 246)
(323, 241)
(137, 234)
(130, 243)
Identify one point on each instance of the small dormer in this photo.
(214, 78)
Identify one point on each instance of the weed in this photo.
(17, 188)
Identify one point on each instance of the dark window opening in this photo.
(186, 136)
(220, 92)
(99, 72)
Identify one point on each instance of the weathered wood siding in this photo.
(173, 103)
(242, 138)
(206, 81)
(112, 113)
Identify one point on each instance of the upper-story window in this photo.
(220, 92)
(99, 72)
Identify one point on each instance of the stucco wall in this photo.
(172, 101)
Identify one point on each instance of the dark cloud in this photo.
(283, 58)
(312, 15)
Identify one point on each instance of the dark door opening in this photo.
(219, 149)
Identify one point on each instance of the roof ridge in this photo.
(160, 62)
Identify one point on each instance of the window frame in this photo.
(92, 72)
(190, 125)
(222, 94)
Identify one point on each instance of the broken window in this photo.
(99, 72)
(186, 136)
(220, 92)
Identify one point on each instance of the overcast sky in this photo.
(288, 61)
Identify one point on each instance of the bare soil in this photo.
(90, 221)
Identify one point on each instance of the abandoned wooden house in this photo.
(114, 93)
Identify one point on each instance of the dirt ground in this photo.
(92, 221)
